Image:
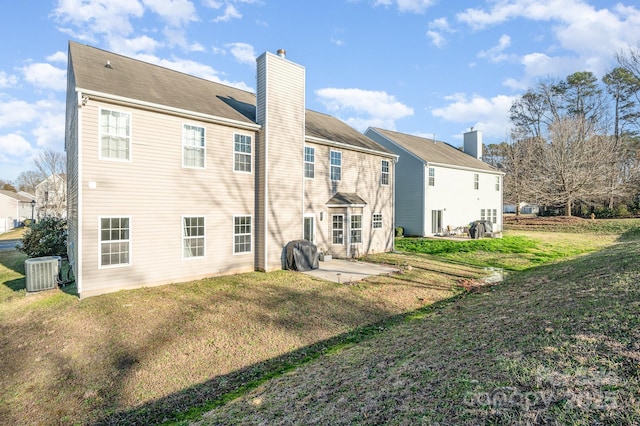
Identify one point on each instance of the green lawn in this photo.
(555, 343)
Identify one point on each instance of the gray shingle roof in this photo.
(434, 152)
(142, 81)
(15, 196)
(346, 199)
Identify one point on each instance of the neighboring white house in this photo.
(14, 209)
(525, 208)
(51, 196)
(439, 186)
(172, 177)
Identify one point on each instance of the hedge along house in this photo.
(172, 177)
(439, 186)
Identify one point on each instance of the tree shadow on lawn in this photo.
(191, 402)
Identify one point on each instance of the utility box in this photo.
(42, 272)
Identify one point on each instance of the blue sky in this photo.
(423, 67)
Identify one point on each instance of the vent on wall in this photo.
(42, 272)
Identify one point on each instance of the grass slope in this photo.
(556, 344)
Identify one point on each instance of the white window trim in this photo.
(476, 181)
(204, 147)
(429, 177)
(233, 235)
(331, 166)
(118, 160)
(332, 229)
(305, 162)
(233, 154)
(383, 173)
(498, 183)
(119, 265)
(204, 253)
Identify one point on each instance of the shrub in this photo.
(48, 237)
(399, 231)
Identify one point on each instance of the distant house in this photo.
(51, 196)
(14, 209)
(172, 177)
(439, 187)
(525, 208)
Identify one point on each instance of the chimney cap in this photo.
(282, 53)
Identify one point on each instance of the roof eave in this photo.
(348, 146)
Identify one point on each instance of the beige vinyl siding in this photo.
(360, 175)
(72, 135)
(155, 191)
(283, 121)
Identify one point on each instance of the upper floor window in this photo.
(193, 236)
(114, 241)
(384, 177)
(193, 146)
(497, 183)
(336, 165)
(242, 153)
(115, 135)
(432, 176)
(309, 162)
(476, 181)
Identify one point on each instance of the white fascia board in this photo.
(179, 111)
(342, 145)
(472, 169)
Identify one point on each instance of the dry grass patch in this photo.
(140, 356)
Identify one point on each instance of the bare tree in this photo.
(27, 181)
(574, 165)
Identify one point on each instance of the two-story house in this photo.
(439, 187)
(172, 177)
(51, 196)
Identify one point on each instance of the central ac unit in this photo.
(42, 272)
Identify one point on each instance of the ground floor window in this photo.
(242, 234)
(115, 241)
(193, 236)
(377, 221)
(309, 228)
(489, 214)
(337, 229)
(356, 228)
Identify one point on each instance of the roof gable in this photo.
(434, 151)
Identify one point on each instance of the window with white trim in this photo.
(242, 153)
(336, 165)
(476, 181)
(115, 241)
(309, 162)
(356, 228)
(432, 176)
(115, 135)
(384, 176)
(489, 214)
(376, 221)
(337, 229)
(497, 183)
(241, 234)
(193, 238)
(193, 146)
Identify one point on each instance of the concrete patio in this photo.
(345, 271)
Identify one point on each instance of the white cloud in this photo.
(134, 46)
(14, 144)
(590, 35)
(45, 76)
(489, 115)
(495, 54)
(415, 6)
(243, 52)
(7, 80)
(371, 108)
(16, 112)
(437, 29)
(49, 133)
(230, 12)
(59, 56)
(175, 12)
(92, 17)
